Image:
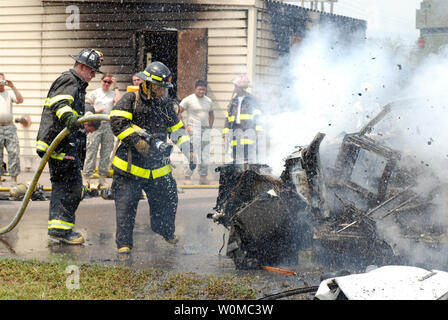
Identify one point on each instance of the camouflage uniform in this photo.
(105, 137)
(10, 141)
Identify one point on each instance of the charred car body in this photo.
(334, 214)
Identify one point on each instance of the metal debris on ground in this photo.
(336, 216)
(387, 283)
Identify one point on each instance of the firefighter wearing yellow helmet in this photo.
(143, 121)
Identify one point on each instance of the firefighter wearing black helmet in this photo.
(64, 104)
(141, 161)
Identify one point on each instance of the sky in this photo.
(385, 18)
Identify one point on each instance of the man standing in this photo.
(242, 123)
(65, 103)
(199, 117)
(142, 121)
(8, 130)
(102, 100)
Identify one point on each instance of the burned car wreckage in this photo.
(332, 215)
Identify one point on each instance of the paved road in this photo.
(198, 249)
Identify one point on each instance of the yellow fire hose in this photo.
(43, 162)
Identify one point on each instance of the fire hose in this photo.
(43, 162)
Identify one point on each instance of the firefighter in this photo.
(65, 103)
(141, 162)
(242, 124)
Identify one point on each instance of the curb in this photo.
(199, 186)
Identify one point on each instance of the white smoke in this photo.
(336, 89)
(330, 88)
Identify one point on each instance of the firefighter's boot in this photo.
(68, 237)
(173, 240)
(124, 250)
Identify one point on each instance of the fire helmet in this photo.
(241, 81)
(91, 58)
(158, 74)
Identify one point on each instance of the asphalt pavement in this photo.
(201, 247)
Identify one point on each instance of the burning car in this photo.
(333, 212)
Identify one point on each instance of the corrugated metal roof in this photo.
(296, 7)
(290, 20)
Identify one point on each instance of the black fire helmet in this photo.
(157, 73)
(91, 58)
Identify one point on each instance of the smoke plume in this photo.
(336, 87)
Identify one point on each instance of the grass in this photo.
(65, 280)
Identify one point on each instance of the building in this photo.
(209, 39)
(432, 21)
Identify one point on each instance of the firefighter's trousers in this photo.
(162, 199)
(66, 184)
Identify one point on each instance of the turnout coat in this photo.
(157, 117)
(66, 94)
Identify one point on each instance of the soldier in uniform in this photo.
(8, 130)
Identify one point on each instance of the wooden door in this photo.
(191, 59)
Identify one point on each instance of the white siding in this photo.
(20, 60)
(36, 43)
(226, 37)
(266, 49)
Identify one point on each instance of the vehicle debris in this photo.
(387, 283)
(279, 270)
(333, 212)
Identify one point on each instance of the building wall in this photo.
(37, 38)
(266, 48)
(226, 40)
(432, 20)
(21, 25)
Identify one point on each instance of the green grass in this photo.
(37, 280)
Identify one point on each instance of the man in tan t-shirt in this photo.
(198, 119)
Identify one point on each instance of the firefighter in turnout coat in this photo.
(242, 126)
(65, 103)
(142, 121)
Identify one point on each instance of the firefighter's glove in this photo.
(164, 148)
(192, 163)
(71, 121)
(142, 147)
